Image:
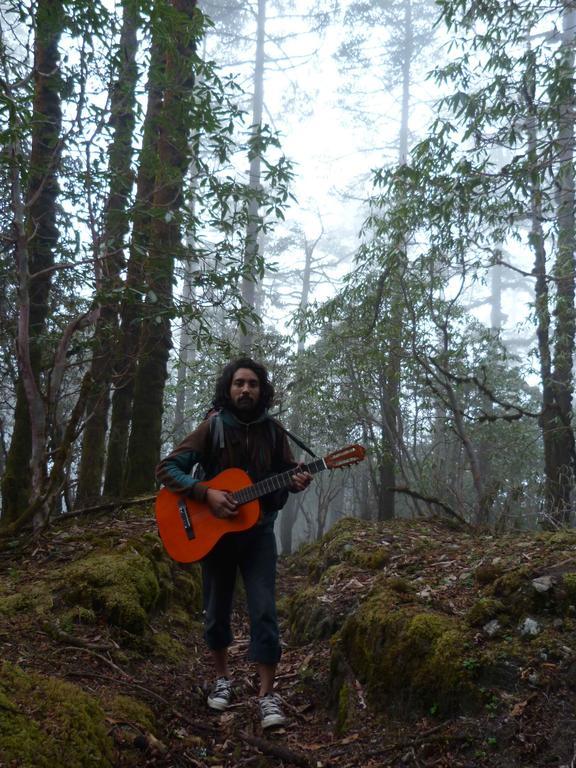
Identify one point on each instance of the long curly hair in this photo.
(223, 382)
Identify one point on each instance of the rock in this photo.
(543, 583)
(492, 627)
(529, 627)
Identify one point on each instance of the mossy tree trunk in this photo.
(165, 245)
(131, 309)
(560, 481)
(36, 240)
(110, 259)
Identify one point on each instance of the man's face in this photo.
(245, 390)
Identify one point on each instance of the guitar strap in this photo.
(217, 432)
(297, 440)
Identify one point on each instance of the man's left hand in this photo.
(300, 481)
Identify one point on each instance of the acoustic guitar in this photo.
(188, 528)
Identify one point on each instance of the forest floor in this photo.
(529, 720)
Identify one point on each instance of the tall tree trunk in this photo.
(390, 374)
(186, 354)
(560, 483)
(37, 237)
(131, 309)
(253, 227)
(294, 503)
(110, 260)
(555, 367)
(541, 292)
(165, 244)
(186, 349)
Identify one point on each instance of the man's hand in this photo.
(300, 481)
(221, 503)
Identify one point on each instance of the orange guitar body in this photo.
(188, 528)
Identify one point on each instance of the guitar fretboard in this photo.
(275, 483)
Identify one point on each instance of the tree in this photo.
(165, 236)
(110, 258)
(34, 239)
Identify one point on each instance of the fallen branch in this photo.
(106, 505)
(431, 500)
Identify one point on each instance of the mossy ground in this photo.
(88, 596)
(440, 627)
(49, 723)
(390, 620)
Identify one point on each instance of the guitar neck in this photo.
(275, 483)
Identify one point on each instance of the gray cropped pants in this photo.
(254, 554)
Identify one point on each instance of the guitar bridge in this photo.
(185, 517)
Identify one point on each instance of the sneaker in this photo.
(221, 694)
(271, 711)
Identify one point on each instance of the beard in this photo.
(246, 408)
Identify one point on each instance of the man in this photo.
(239, 433)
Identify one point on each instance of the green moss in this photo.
(166, 647)
(484, 610)
(35, 598)
(399, 585)
(127, 709)
(121, 586)
(371, 559)
(49, 723)
(309, 618)
(180, 617)
(569, 587)
(344, 706)
(343, 542)
(514, 589)
(558, 539)
(188, 588)
(487, 573)
(406, 657)
(78, 615)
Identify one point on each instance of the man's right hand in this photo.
(221, 503)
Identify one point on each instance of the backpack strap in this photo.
(217, 431)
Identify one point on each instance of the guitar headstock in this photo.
(345, 457)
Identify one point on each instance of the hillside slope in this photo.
(410, 643)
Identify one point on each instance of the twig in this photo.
(78, 642)
(98, 656)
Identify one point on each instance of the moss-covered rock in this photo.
(309, 617)
(405, 656)
(346, 541)
(49, 723)
(484, 610)
(121, 586)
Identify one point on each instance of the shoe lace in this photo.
(222, 686)
(270, 705)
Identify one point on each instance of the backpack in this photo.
(217, 440)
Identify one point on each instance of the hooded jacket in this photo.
(259, 447)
